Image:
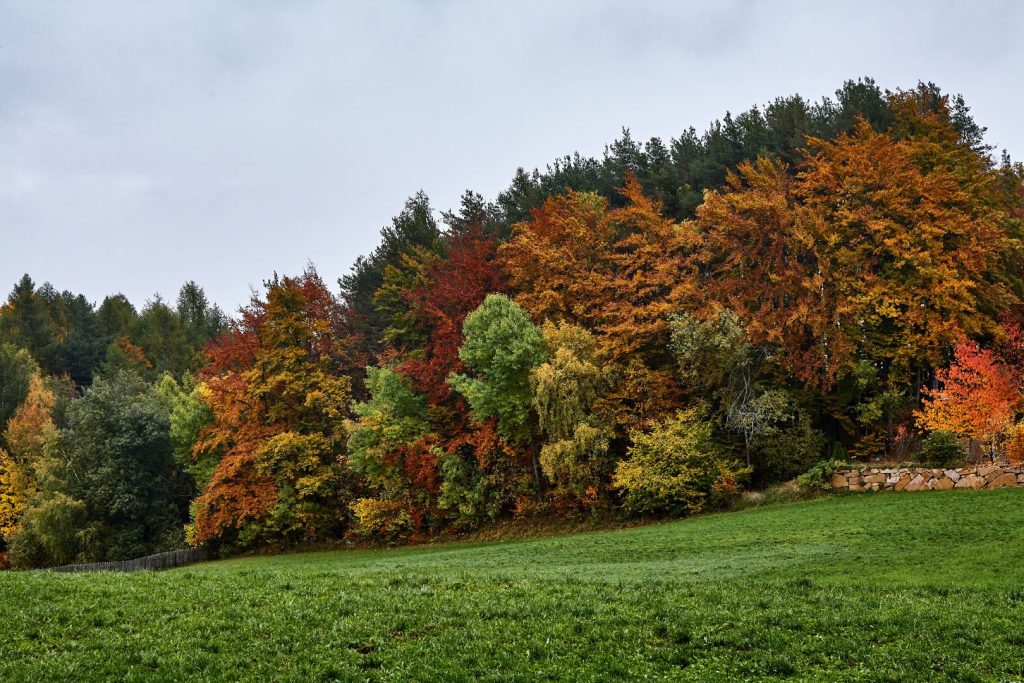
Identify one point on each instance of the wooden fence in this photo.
(172, 558)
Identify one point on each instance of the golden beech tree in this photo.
(878, 249)
(554, 262)
(759, 260)
(618, 273)
(978, 396)
(30, 433)
(648, 281)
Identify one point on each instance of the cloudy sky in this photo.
(145, 144)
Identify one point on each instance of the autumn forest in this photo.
(646, 334)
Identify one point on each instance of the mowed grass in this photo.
(888, 587)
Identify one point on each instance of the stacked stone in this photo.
(922, 478)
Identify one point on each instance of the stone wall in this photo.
(923, 478)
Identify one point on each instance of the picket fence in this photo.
(172, 558)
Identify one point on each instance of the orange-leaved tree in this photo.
(649, 279)
(555, 262)
(280, 402)
(618, 273)
(978, 396)
(879, 249)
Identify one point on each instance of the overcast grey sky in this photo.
(144, 144)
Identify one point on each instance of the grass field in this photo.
(923, 586)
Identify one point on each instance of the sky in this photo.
(145, 144)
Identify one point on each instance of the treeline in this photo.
(645, 333)
(90, 467)
(67, 336)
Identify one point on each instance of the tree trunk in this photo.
(535, 458)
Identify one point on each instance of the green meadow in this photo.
(924, 586)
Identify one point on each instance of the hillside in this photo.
(887, 587)
(645, 333)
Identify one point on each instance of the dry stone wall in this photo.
(923, 478)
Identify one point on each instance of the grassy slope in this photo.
(924, 586)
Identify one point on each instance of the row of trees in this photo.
(66, 335)
(90, 463)
(648, 332)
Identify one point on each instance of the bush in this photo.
(52, 532)
(384, 519)
(470, 497)
(819, 477)
(25, 549)
(1014, 448)
(788, 451)
(941, 449)
(577, 465)
(677, 469)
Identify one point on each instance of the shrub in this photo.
(1014, 448)
(577, 464)
(470, 496)
(839, 452)
(52, 532)
(677, 469)
(384, 519)
(820, 476)
(941, 449)
(788, 451)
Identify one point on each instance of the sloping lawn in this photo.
(889, 587)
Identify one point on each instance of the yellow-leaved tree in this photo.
(29, 436)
